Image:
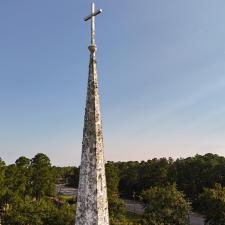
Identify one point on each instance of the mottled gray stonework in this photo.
(92, 204)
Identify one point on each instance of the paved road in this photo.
(195, 219)
(62, 189)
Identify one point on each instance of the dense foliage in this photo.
(29, 185)
(165, 206)
(39, 212)
(191, 175)
(213, 205)
(28, 194)
(67, 175)
(117, 209)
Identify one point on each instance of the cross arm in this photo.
(93, 14)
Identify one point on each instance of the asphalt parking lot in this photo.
(134, 207)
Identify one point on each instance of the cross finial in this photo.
(92, 17)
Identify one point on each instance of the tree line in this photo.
(167, 188)
(198, 180)
(191, 175)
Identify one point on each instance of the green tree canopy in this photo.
(2, 173)
(194, 173)
(165, 206)
(43, 177)
(22, 162)
(2, 182)
(213, 205)
(42, 212)
(112, 178)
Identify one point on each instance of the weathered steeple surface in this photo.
(92, 204)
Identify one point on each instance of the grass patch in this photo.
(65, 197)
(133, 217)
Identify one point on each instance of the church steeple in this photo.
(92, 203)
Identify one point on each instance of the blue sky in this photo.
(161, 71)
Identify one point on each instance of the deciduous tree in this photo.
(213, 205)
(165, 206)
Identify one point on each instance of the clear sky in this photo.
(161, 70)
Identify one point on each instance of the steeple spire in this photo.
(92, 203)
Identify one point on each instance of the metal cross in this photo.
(92, 17)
